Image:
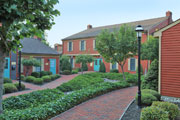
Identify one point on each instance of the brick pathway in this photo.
(106, 107)
(32, 87)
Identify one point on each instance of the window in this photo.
(38, 69)
(70, 46)
(114, 66)
(6, 64)
(133, 64)
(82, 45)
(94, 44)
(72, 62)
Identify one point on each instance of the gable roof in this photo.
(93, 32)
(35, 46)
(158, 33)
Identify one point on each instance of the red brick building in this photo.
(169, 60)
(58, 48)
(84, 43)
(48, 57)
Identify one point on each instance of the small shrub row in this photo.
(148, 96)
(66, 72)
(75, 71)
(41, 74)
(114, 71)
(10, 87)
(50, 109)
(7, 80)
(160, 111)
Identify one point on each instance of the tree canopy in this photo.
(117, 46)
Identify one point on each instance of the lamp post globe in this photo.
(139, 30)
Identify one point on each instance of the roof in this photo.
(158, 33)
(35, 46)
(93, 32)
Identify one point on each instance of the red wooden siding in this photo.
(170, 62)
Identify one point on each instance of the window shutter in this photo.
(72, 46)
(129, 60)
(42, 64)
(80, 45)
(22, 67)
(117, 66)
(68, 46)
(136, 66)
(94, 44)
(84, 45)
(110, 66)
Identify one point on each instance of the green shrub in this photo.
(146, 99)
(56, 106)
(35, 74)
(65, 64)
(153, 113)
(22, 85)
(22, 77)
(66, 72)
(46, 78)
(43, 73)
(132, 78)
(57, 76)
(75, 71)
(9, 88)
(30, 79)
(7, 80)
(153, 92)
(113, 76)
(114, 71)
(84, 67)
(38, 81)
(49, 72)
(53, 77)
(151, 79)
(102, 68)
(171, 108)
(141, 70)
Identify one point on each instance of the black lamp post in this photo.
(139, 30)
(19, 70)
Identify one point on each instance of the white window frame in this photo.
(68, 47)
(80, 43)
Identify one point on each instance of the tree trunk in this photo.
(122, 68)
(2, 63)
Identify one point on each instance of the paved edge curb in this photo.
(126, 109)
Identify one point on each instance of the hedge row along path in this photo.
(109, 106)
(32, 87)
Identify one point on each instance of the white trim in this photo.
(84, 44)
(80, 45)
(159, 81)
(110, 66)
(129, 64)
(42, 64)
(68, 46)
(94, 44)
(72, 46)
(158, 33)
(22, 66)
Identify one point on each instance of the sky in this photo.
(77, 14)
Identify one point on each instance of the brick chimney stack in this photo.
(89, 26)
(169, 14)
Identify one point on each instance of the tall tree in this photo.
(84, 59)
(150, 49)
(19, 19)
(117, 46)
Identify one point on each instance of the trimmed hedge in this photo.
(114, 71)
(10, 88)
(35, 74)
(30, 79)
(171, 108)
(154, 113)
(153, 92)
(46, 78)
(38, 81)
(75, 71)
(7, 80)
(146, 99)
(102, 68)
(22, 77)
(50, 109)
(66, 72)
(23, 87)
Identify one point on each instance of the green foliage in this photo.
(75, 71)
(10, 88)
(66, 72)
(45, 110)
(23, 87)
(171, 108)
(30, 79)
(79, 82)
(38, 81)
(57, 76)
(117, 46)
(31, 62)
(146, 98)
(141, 70)
(112, 76)
(32, 99)
(153, 92)
(35, 74)
(43, 73)
(46, 78)
(22, 77)
(102, 68)
(7, 80)
(150, 49)
(65, 64)
(151, 79)
(132, 78)
(154, 113)
(114, 71)
(84, 67)
(53, 77)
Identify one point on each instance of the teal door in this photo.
(7, 68)
(97, 63)
(53, 66)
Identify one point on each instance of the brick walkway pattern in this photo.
(106, 107)
(33, 87)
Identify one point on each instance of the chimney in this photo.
(169, 15)
(89, 26)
